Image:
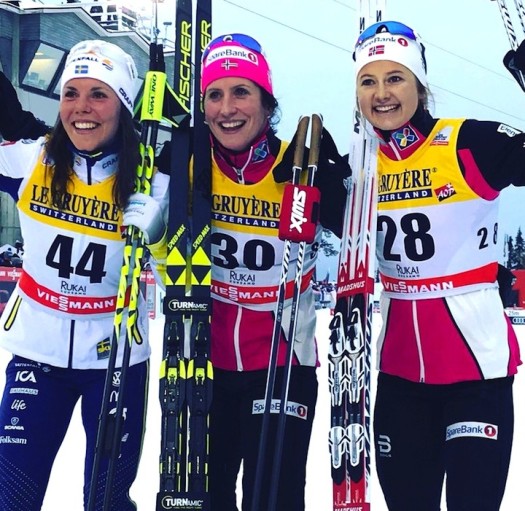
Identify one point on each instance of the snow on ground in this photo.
(65, 486)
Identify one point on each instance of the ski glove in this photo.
(144, 212)
(332, 170)
(329, 160)
(15, 122)
(514, 61)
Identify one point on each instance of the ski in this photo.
(297, 225)
(349, 356)
(112, 414)
(186, 376)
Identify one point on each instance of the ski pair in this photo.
(186, 375)
(349, 355)
(297, 226)
(112, 414)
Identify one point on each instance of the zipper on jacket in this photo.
(418, 342)
(71, 343)
(237, 340)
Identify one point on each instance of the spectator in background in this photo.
(506, 280)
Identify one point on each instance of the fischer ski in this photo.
(112, 415)
(349, 356)
(186, 375)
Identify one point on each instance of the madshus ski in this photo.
(186, 375)
(349, 356)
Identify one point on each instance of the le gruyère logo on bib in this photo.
(410, 184)
(245, 210)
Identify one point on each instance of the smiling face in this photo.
(90, 112)
(387, 93)
(234, 112)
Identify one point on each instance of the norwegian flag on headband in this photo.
(376, 50)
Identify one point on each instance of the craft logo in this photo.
(511, 132)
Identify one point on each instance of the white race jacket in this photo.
(62, 309)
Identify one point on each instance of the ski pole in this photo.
(509, 28)
(111, 420)
(300, 140)
(300, 195)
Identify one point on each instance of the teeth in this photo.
(232, 124)
(85, 125)
(387, 108)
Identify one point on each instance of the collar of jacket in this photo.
(403, 142)
(254, 162)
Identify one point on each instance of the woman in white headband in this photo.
(447, 354)
(74, 191)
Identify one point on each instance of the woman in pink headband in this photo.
(249, 166)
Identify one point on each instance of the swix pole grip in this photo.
(299, 213)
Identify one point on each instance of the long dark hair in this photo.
(59, 152)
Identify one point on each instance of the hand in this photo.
(15, 122)
(144, 212)
(514, 61)
(329, 161)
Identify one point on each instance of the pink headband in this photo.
(230, 58)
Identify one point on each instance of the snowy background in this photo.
(65, 488)
(309, 43)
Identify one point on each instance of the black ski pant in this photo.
(423, 432)
(35, 413)
(235, 428)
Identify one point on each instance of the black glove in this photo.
(514, 61)
(15, 122)
(332, 169)
(329, 160)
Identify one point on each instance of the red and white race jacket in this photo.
(437, 248)
(247, 260)
(61, 311)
